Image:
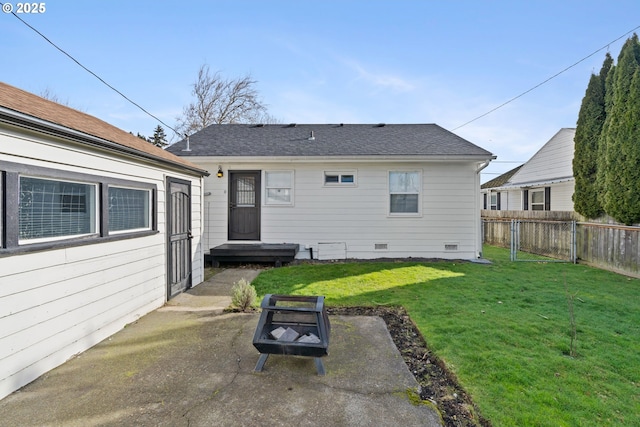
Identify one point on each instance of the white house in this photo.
(545, 182)
(341, 191)
(97, 228)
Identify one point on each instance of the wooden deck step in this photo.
(276, 253)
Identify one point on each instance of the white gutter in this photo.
(478, 223)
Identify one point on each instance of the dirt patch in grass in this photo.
(437, 383)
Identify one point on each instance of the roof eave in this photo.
(529, 184)
(24, 121)
(342, 159)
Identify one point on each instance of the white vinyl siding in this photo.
(553, 161)
(562, 196)
(61, 301)
(359, 215)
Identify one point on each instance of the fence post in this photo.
(574, 246)
(513, 239)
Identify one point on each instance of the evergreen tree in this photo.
(585, 160)
(622, 138)
(159, 138)
(602, 146)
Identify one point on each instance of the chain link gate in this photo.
(548, 241)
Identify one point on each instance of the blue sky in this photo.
(444, 62)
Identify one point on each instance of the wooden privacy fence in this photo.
(608, 246)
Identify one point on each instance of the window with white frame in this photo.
(278, 188)
(404, 192)
(340, 178)
(537, 200)
(54, 209)
(129, 209)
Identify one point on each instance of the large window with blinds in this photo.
(42, 208)
(54, 209)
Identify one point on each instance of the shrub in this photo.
(243, 295)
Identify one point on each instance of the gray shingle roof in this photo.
(329, 140)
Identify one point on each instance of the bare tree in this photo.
(219, 100)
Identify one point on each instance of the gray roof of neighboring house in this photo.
(331, 140)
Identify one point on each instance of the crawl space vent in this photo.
(381, 246)
(450, 246)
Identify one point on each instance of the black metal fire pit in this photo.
(293, 325)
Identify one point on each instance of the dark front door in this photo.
(244, 205)
(178, 236)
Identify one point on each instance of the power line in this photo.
(91, 72)
(547, 80)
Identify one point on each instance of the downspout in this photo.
(479, 169)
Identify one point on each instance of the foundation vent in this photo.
(381, 246)
(451, 247)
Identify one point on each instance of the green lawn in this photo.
(505, 330)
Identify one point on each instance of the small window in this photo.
(52, 209)
(537, 200)
(129, 209)
(404, 193)
(278, 188)
(340, 178)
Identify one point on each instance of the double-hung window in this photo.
(404, 193)
(537, 200)
(51, 209)
(278, 188)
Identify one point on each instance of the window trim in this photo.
(494, 202)
(541, 204)
(149, 213)
(9, 206)
(339, 174)
(95, 219)
(419, 193)
(266, 188)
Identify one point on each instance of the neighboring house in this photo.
(341, 191)
(544, 183)
(97, 228)
(495, 196)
